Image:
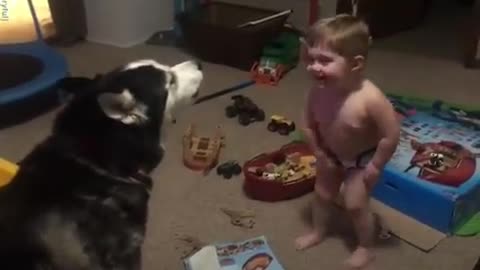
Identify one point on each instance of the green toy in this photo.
(278, 57)
(471, 228)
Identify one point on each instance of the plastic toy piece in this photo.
(267, 71)
(229, 169)
(281, 125)
(201, 153)
(245, 219)
(245, 109)
(234, 88)
(278, 57)
(468, 119)
(295, 168)
(7, 171)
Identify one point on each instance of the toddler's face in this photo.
(328, 68)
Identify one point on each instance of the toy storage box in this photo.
(213, 33)
(271, 191)
(442, 198)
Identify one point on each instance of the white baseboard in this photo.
(118, 43)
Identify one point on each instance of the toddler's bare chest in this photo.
(338, 119)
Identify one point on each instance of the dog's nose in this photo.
(199, 65)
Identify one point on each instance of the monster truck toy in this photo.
(229, 169)
(245, 109)
(278, 57)
(281, 125)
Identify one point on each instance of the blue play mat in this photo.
(29, 72)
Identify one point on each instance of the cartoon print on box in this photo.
(445, 162)
(435, 148)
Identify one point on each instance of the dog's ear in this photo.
(123, 107)
(74, 85)
(69, 87)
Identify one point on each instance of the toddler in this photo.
(351, 126)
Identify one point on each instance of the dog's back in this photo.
(59, 211)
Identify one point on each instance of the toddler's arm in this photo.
(314, 140)
(383, 115)
(309, 126)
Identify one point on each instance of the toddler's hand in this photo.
(371, 174)
(323, 160)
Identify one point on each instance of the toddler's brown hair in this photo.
(345, 34)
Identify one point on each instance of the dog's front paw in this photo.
(154, 158)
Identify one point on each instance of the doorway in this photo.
(17, 23)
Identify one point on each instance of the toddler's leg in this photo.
(327, 186)
(357, 197)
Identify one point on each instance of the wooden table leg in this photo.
(472, 38)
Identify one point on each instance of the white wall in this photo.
(125, 23)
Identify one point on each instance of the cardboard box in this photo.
(433, 176)
(230, 34)
(403, 226)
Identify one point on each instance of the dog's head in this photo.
(183, 82)
(116, 118)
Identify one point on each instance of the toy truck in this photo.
(281, 125)
(278, 57)
(246, 110)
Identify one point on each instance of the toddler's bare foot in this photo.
(308, 240)
(360, 258)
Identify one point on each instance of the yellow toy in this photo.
(281, 124)
(7, 171)
(295, 168)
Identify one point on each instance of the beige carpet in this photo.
(186, 202)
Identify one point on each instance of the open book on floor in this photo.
(252, 254)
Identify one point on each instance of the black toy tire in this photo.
(260, 115)
(272, 126)
(292, 127)
(244, 119)
(220, 170)
(236, 169)
(231, 111)
(283, 129)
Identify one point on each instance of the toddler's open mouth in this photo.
(320, 77)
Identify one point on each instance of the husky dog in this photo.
(79, 199)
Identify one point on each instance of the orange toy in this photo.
(7, 171)
(202, 153)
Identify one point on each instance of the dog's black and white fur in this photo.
(79, 200)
